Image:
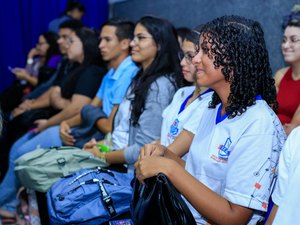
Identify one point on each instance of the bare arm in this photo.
(295, 122)
(278, 77)
(56, 100)
(182, 143)
(105, 124)
(66, 125)
(77, 102)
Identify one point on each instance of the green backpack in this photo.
(39, 169)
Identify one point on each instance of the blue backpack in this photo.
(89, 196)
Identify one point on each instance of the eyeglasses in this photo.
(139, 38)
(291, 40)
(188, 56)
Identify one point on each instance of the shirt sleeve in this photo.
(159, 96)
(122, 86)
(89, 81)
(254, 157)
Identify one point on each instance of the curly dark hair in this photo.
(237, 46)
(165, 63)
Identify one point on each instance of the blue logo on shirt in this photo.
(224, 149)
(174, 127)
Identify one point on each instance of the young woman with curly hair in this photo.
(229, 170)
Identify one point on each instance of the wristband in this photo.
(103, 148)
(29, 61)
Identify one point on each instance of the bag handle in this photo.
(98, 169)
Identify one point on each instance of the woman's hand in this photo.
(152, 150)
(65, 134)
(21, 73)
(32, 53)
(41, 125)
(91, 144)
(151, 166)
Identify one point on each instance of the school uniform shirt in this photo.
(236, 158)
(286, 193)
(175, 115)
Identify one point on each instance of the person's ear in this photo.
(125, 44)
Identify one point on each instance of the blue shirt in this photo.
(115, 84)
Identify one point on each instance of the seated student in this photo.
(24, 113)
(155, 48)
(39, 98)
(42, 62)
(64, 30)
(188, 102)
(114, 46)
(288, 78)
(181, 33)
(286, 193)
(74, 10)
(227, 176)
(83, 85)
(115, 38)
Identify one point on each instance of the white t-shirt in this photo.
(286, 193)
(120, 134)
(173, 121)
(236, 158)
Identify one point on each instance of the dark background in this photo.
(21, 22)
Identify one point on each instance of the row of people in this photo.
(236, 125)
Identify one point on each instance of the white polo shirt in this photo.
(236, 158)
(174, 116)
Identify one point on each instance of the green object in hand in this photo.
(103, 148)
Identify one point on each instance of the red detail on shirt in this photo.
(257, 185)
(288, 97)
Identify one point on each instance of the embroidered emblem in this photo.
(174, 127)
(224, 149)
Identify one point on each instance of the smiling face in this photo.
(290, 45)
(143, 46)
(206, 73)
(75, 48)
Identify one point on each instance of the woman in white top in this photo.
(188, 102)
(229, 170)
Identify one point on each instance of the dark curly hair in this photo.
(166, 62)
(237, 46)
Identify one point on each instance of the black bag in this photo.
(158, 202)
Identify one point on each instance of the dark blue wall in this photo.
(21, 22)
(193, 12)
